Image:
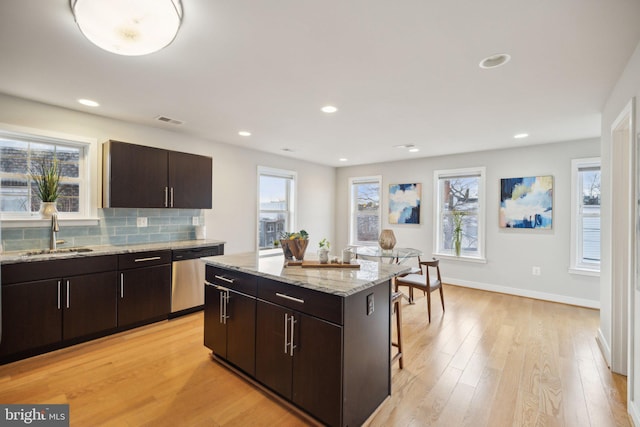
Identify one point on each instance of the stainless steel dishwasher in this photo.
(187, 278)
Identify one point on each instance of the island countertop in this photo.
(337, 281)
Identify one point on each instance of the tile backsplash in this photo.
(115, 227)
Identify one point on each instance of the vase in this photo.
(323, 256)
(294, 248)
(47, 209)
(387, 240)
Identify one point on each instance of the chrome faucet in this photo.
(55, 227)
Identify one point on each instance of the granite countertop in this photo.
(19, 256)
(337, 281)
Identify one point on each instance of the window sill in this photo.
(39, 222)
(462, 258)
(584, 271)
(263, 253)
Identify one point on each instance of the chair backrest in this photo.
(433, 264)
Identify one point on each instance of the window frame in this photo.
(480, 171)
(87, 176)
(576, 263)
(352, 208)
(292, 204)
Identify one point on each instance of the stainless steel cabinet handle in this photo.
(166, 197)
(59, 294)
(171, 196)
(121, 285)
(224, 279)
(301, 301)
(153, 258)
(286, 330)
(221, 308)
(291, 344)
(226, 302)
(67, 294)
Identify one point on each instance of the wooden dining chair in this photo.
(424, 282)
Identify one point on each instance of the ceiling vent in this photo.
(169, 120)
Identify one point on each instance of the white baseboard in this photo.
(634, 414)
(604, 347)
(581, 302)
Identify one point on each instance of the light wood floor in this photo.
(491, 360)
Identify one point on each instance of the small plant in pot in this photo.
(458, 221)
(323, 251)
(294, 245)
(46, 176)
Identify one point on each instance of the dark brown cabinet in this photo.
(300, 357)
(40, 313)
(137, 176)
(144, 293)
(230, 317)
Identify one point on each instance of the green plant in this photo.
(324, 244)
(46, 175)
(458, 221)
(300, 235)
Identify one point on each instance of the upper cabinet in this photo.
(136, 176)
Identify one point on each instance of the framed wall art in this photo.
(404, 203)
(526, 202)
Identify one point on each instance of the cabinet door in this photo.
(137, 176)
(215, 330)
(317, 368)
(190, 180)
(90, 304)
(31, 315)
(241, 331)
(144, 294)
(273, 362)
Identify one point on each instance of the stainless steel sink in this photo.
(54, 252)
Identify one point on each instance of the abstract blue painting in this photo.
(404, 203)
(526, 202)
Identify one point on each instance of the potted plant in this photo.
(46, 176)
(323, 251)
(458, 221)
(294, 245)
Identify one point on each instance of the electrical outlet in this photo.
(369, 304)
(141, 221)
(536, 271)
(195, 220)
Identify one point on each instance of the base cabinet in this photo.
(300, 357)
(230, 317)
(144, 295)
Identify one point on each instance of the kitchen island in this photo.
(317, 337)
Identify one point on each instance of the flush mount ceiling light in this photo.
(495, 61)
(329, 109)
(520, 135)
(343, 159)
(128, 27)
(244, 133)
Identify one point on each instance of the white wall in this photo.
(510, 253)
(234, 214)
(627, 87)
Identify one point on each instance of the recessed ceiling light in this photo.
(404, 146)
(495, 61)
(414, 150)
(244, 133)
(88, 102)
(520, 135)
(342, 159)
(288, 150)
(329, 109)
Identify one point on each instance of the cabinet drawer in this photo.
(232, 279)
(319, 304)
(41, 270)
(143, 259)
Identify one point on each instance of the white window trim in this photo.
(293, 204)
(352, 207)
(89, 169)
(576, 267)
(437, 175)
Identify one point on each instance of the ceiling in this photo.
(400, 72)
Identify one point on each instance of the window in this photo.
(461, 191)
(20, 153)
(585, 227)
(364, 196)
(276, 193)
